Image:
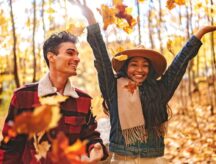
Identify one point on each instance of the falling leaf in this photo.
(180, 2)
(41, 149)
(124, 13)
(2, 20)
(170, 4)
(122, 24)
(62, 152)
(58, 145)
(76, 28)
(198, 6)
(43, 118)
(121, 57)
(131, 86)
(117, 2)
(50, 10)
(170, 47)
(117, 50)
(56, 115)
(31, 123)
(108, 15)
(78, 148)
(52, 100)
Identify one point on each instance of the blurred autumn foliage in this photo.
(161, 25)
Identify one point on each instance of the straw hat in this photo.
(157, 60)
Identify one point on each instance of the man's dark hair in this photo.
(53, 42)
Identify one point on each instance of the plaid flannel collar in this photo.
(45, 87)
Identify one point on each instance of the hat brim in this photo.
(157, 60)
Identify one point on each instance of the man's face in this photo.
(66, 61)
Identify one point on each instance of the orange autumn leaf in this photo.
(180, 2)
(108, 15)
(63, 153)
(170, 4)
(124, 14)
(31, 123)
(56, 154)
(78, 148)
(131, 87)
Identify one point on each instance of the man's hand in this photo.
(96, 153)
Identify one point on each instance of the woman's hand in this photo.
(202, 31)
(87, 12)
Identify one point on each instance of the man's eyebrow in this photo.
(72, 49)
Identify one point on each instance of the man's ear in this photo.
(51, 57)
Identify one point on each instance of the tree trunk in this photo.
(213, 59)
(138, 23)
(190, 73)
(159, 26)
(15, 68)
(150, 27)
(42, 16)
(33, 42)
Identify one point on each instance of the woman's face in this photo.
(138, 69)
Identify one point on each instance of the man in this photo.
(77, 122)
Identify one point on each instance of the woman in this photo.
(137, 97)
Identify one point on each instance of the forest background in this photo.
(164, 25)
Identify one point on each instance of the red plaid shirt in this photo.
(77, 122)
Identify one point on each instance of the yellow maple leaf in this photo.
(117, 2)
(128, 29)
(76, 28)
(52, 100)
(140, 1)
(170, 46)
(123, 24)
(108, 15)
(56, 115)
(114, 51)
(41, 149)
(50, 10)
(121, 57)
(129, 10)
(2, 19)
(198, 6)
